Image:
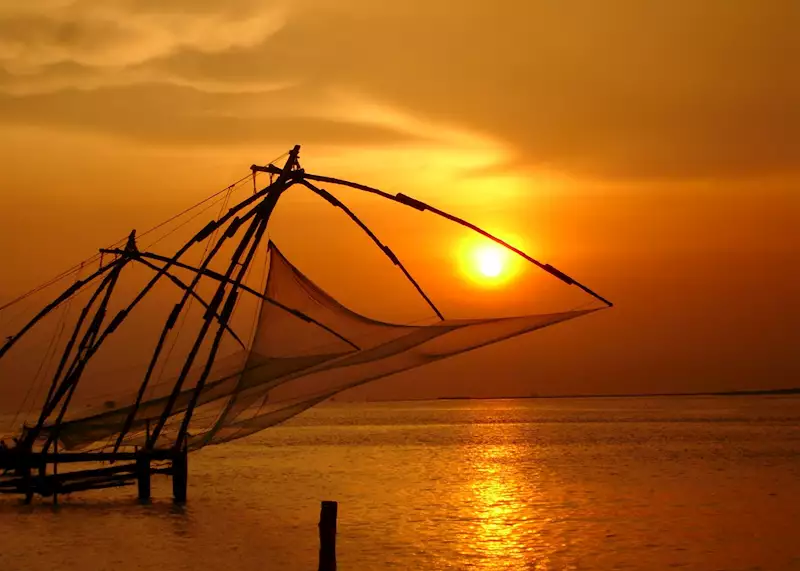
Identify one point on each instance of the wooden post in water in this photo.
(55, 472)
(327, 536)
(28, 479)
(180, 475)
(143, 476)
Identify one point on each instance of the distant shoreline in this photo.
(763, 392)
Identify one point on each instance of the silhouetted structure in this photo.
(327, 535)
(264, 384)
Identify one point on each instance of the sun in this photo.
(486, 263)
(489, 264)
(489, 261)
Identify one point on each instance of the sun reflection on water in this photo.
(506, 513)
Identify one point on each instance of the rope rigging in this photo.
(99, 256)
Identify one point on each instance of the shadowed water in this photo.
(696, 483)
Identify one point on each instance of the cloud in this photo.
(113, 34)
(679, 89)
(71, 76)
(629, 90)
(191, 117)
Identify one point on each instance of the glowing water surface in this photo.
(694, 483)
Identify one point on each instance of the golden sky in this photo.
(650, 149)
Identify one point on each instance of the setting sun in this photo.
(487, 264)
(490, 261)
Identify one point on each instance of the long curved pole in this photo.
(89, 346)
(421, 206)
(384, 248)
(168, 327)
(185, 287)
(244, 287)
(258, 214)
(76, 330)
(55, 393)
(229, 306)
(74, 288)
(65, 295)
(202, 235)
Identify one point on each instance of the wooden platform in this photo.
(35, 473)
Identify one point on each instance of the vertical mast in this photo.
(266, 208)
(251, 238)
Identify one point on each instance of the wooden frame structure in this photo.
(32, 466)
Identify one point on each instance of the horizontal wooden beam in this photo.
(39, 458)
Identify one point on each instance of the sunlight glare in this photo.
(488, 264)
(490, 261)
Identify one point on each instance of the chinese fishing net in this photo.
(306, 347)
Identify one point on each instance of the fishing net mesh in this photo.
(306, 347)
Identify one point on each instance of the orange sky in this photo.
(651, 150)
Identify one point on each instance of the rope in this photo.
(117, 244)
(9, 319)
(182, 224)
(185, 312)
(122, 241)
(44, 364)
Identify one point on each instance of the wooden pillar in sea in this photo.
(55, 472)
(28, 480)
(327, 535)
(180, 475)
(143, 475)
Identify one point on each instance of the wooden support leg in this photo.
(27, 476)
(327, 536)
(180, 476)
(143, 477)
(55, 473)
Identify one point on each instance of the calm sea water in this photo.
(694, 483)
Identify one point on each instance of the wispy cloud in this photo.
(637, 90)
(114, 34)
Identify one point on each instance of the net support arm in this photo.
(67, 352)
(88, 346)
(69, 292)
(249, 240)
(244, 287)
(204, 233)
(422, 207)
(230, 303)
(185, 287)
(386, 250)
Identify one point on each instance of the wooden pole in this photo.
(26, 474)
(180, 475)
(327, 536)
(55, 472)
(143, 476)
